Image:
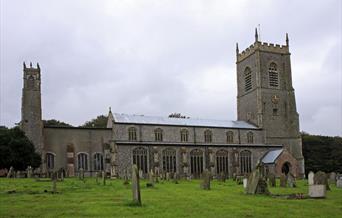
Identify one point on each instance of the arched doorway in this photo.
(286, 168)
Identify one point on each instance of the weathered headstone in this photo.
(150, 179)
(10, 172)
(175, 178)
(103, 177)
(283, 180)
(62, 175)
(141, 174)
(222, 177)
(271, 180)
(256, 184)
(339, 183)
(239, 180)
(29, 172)
(97, 177)
(205, 180)
(54, 182)
(126, 182)
(311, 176)
(136, 186)
(245, 182)
(81, 174)
(291, 180)
(317, 191)
(332, 178)
(167, 176)
(321, 178)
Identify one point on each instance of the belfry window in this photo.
(245, 161)
(158, 135)
(82, 160)
(184, 135)
(222, 162)
(273, 75)
(132, 134)
(208, 136)
(248, 79)
(50, 161)
(140, 158)
(196, 162)
(230, 137)
(98, 162)
(169, 160)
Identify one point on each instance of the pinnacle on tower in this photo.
(287, 39)
(237, 48)
(256, 35)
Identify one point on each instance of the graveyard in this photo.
(74, 197)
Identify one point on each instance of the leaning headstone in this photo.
(54, 182)
(321, 178)
(311, 176)
(339, 183)
(332, 178)
(271, 180)
(256, 184)
(317, 191)
(103, 177)
(10, 172)
(136, 186)
(245, 181)
(150, 179)
(206, 180)
(283, 180)
(291, 180)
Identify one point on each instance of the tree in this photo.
(98, 122)
(17, 150)
(56, 123)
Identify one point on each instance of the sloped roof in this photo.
(271, 156)
(141, 119)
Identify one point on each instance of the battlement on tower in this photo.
(262, 46)
(31, 69)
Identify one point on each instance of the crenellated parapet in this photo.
(262, 46)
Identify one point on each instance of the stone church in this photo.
(266, 130)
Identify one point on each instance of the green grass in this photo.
(186, 199)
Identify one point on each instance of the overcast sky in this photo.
(159, 57)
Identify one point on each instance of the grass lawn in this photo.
(186, 199)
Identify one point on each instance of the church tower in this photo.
(266, 97)
(31, 110)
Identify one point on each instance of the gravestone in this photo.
(317, 191)
(126, 182)
(332, 178)
(167, 176)
(321, 178)
(150, 179)
(10, 172)
(271, 180)
(291, 180)
(103, 177)
(97, 177)
(239, 180)
(175, 178)
(256, 184)
(29, 172)
(136, 186)
(311, 176)
(54, 182)
(81, 174)
(283, 180)
(206, 180)
(339, 183)
(62, 175)
(141, 174)
(245, 181)
(222, 177)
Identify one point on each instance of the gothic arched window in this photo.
(132, 134)
(82, 160)
(50, 161)
(250, 138)
(184, 135)
(196, 162)
(208, 136)
(169, 160)
(248, 79)
(273, 75)
(222, 162)
(246, 161)
(230, 137)
(158, 135)
(98, 161)
(140, 158)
